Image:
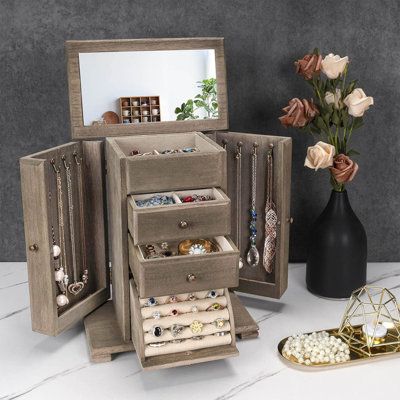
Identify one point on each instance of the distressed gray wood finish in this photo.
(157, 224)
(246, 327)
(148, 174)
(103, 334)
(118, 232)
(257, 280)
(79, 131)
(40, 213)
(176, 359)
(163, 276)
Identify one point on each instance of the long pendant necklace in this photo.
(78, 162)
(271, 218)
(76, 286)
(238, 157)
(253, 256)
(61, 275)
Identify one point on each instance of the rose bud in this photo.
(358, 102)
(320, 156)
(298, 113)
(309, 65)
(344, 169)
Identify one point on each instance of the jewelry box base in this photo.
(104, 337)
(355, 358)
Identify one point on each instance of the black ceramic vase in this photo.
(337, 254)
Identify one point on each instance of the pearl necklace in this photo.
(316, 348)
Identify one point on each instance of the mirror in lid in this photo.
(146, 86)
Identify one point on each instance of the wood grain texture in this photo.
(79, 131)
(163, 276)
(158, 224)
(246, 327)
(40, 212)
(103, 334)
(206, 168)
(118, 234)
(257, 280)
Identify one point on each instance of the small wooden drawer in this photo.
(180, 220)
(227, 348)
(185, 273)
(152, 173)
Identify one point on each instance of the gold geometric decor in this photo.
(371, 322)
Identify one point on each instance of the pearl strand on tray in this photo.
(316, 348)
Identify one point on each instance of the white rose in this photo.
(333, 98)
(358, 102)
(320, 156)
(333, 65)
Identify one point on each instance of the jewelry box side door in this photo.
(257, 280)
(39, 198)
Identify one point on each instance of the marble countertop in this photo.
(33, 366)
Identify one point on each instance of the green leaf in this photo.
(320, 123)
(352, 152)
(358, 122)
(177, 110)
(336, 118)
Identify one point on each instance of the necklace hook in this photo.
(53, 164)
(77, 159)
(66, 166)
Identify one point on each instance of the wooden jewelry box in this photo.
(136, 161)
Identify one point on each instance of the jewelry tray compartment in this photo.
(41, 220)
(165, 172)
(191, 353)
(185, 273)
(180, 220)
(256, 280)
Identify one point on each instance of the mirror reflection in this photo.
(137, 87)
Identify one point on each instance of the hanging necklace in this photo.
(60, 274)
(75, 287)
(78, 162)
(238, 157)
(271, 218)
(253, 257)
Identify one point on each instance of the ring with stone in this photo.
(157, 330)
(176, 329)
(219, 323)
(212, 294)
(191, 297)
(220, 333)
(156, 315)
(197, 248)
(196, 327)
(151, 302)
(198, 337)
(214, 307)
(173, 299)
(174, 312)
(176, 341)
(194, 309)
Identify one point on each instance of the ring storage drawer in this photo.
(179, 220)
(178, 171)
(192, 352)
(185, 273)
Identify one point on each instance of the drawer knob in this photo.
(191, 278)
(34, 247)
(183, 224)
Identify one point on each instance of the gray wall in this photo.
(263, 38)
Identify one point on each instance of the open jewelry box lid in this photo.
(129, 76)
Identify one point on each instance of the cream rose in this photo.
(320, 156)
(358, 102)
(333, 65)
(333, 98)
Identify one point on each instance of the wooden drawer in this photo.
(163, 276)
(164, 172)
(181, 220)
(179, 358)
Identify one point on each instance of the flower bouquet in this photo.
(335, 114)
(337, 254)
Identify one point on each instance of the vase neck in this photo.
(339, 202)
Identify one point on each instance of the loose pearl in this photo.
(56, 251)
(59, 275)
(62, 300)
(240, 263)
